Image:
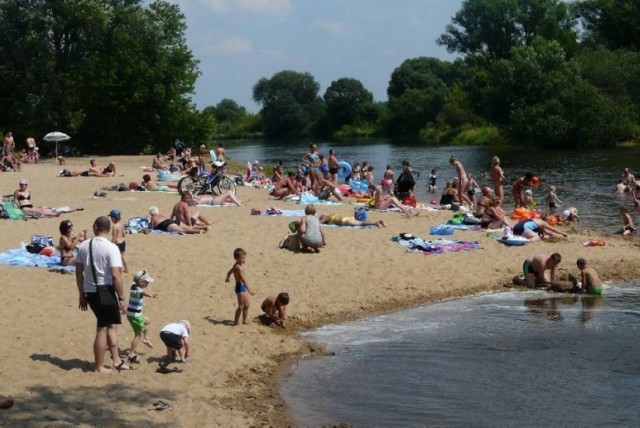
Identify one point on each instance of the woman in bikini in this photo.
(338, 220)
(483, 202)
(68, 243)
(22, 198)
(225, 198)
(312, 160)
(494, 216)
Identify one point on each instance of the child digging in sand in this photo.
(139, 322)
(275, 307)
(242, 288)
(591, 282)
(175, 337)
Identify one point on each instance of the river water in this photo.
(503, 359)
(584, 179)
(500, 359)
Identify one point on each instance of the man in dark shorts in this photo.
(99, 282)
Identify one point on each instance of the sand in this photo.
(46, 358)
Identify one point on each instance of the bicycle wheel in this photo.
(225, 185)
(192, 184)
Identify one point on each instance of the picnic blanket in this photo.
(21, 257)
(437, 246)
(272, 212)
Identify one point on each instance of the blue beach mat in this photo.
(438, 246)
(21, 257)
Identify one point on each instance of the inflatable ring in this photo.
(513, 240)
(344, 169)
(359, 186)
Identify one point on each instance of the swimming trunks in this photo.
(552, 205)
(241, 288)
(523, 225)
(527, 268)
(122, 246)
(594, 291)
(432, 181)
(84, 173)
(164, 225)
(324, 168)
(333, 170)
(630, 229)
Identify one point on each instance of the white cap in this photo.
(142, 275)
(566, 214)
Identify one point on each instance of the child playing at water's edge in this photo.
(591, 282)
(139, 322)
(552, 199)
(242, 288)
(275, 307)
(627, 222)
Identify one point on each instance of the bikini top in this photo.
(21, 197)
(107, 170)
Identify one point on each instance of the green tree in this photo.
(114, 73)
(611, 23)
(348, 102)
(228, 111)
(487, 29)
(290, 103)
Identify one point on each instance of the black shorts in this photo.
(122, 247)
(106, 315)
(171, 340)
(333, 170)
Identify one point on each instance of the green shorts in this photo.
(138, 323)
(595, 291)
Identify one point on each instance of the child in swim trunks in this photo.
(242, 288)
(275, 307)
(591, 282)
(552, 199)
(627, 222)
(117, 234)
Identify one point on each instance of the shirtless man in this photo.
(534, 268)
(629, 180)
(9, 144)
(517, 189)
(221, 155)
(181, 214)
(497, 175)
(333, 166)
(117, 234)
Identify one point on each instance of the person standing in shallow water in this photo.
(497, 175)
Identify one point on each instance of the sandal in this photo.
(134, 358)
(123, 366)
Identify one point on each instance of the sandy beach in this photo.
(46, 361)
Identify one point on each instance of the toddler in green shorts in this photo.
(139, 322)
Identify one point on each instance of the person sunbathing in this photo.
(385, 202)
(22, 198)
(94, 171)
(155, 187)
(338, 220)
(164, 224)
(223, 199)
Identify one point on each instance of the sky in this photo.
(239, 42)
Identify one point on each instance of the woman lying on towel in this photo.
(22, 198)
(147, 184)
(164, 224)
(225, 198)
(338, 220)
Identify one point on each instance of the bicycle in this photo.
(199, 183)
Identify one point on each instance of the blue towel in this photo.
(21, 257)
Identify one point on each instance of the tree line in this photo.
(118, 75)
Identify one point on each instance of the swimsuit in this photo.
(446, 199)
(122, 246)
(527, 269)
(241, 288)
(432, 181)
(523, 225)
(333, 170)
(324, 168)
(595, 291)
(630, 229)
(85, 173)
(107, 170)
(164, 225)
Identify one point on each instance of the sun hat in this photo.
(23, 181)
(115, 213)
(142, 275)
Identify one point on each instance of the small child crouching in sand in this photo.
(591, 282)
(139, 322)
(275, 308)
(175, 337)
(242, 288)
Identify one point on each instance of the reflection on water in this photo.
(584, 178)
(550, 307)
(507, 359)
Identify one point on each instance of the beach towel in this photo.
(21, 257)
(13, 211)
(436, 246)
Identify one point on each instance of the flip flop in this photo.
(161, 405)
(122, 366)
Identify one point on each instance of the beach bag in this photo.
(360, 214)
(457, 219)
(290, 242)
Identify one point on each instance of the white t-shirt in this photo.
(176, 328)
(106, 255)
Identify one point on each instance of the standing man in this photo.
(221, 155)
(8, 145)
(333, 166)
(405, 182)
(99, 282)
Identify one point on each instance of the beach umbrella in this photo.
(56, 137)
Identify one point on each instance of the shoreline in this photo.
(234, 378)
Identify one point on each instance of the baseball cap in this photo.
(142, 275)
(115, 213)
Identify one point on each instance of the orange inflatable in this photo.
(524, 214)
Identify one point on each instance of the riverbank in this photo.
(233, 377)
